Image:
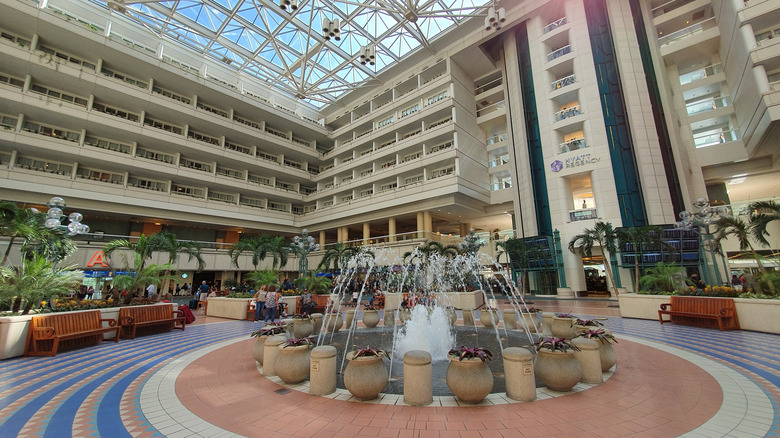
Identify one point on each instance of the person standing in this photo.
(150, 290)
(270, 304)
(259, 302)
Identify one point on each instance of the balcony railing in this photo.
(688, 31)
(558, 53)
(583, 215)
(567, 112)
(491, 108)
(498, 138)
(701, 73)
(560, 83)
(710, 104)
(489, 86)
(554, 25)
(498, 161)
(709, 139)
(501, 185)
(669, 6)
(573, 145)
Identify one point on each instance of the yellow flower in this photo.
(43, 303)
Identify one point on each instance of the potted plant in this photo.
(292, 364)
(274, 328)
(366, 376)
(302, 325)
(562, 326)
(581, 325)
(370, 316)
(489, 317)
(333, 321)
(531, 317)
(606, 351)
(468, 375)
(556, 365)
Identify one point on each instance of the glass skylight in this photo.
(287, 48)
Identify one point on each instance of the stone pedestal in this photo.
(510, 319)
(316, 321)
(389, 317)
(519, 374)
(270, 353)
(350, 314)
(322, 373)
(418, 378)
(547, 318)
(468, 318)
(589, 359)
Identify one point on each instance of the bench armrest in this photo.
(111, 321)
(664, 306)
(127, 320)
(40, 333)
(178, 314)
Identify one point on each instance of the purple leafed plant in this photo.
(532, 310)
(369, 351)
(600, 334)
(565, 315)
(587, 322)
(468, 353)
(297, 342)
(555, 344)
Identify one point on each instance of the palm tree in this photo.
(263, 278)
(602, 235)
(165, 241)
(142, 276)
(28, 224)
(433, 247)
(471, 243)
(33, 280)
(661, 278)
(337, 255)
(314, 284)
(259, 247)
(736, 227)
(764, 213)
(142, 250)
(639, 238)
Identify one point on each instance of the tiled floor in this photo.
(670, 380)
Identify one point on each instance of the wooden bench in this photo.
(320, 303)
(133, 317)
(74, 329)
(701, 312)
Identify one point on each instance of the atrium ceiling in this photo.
(284, 42)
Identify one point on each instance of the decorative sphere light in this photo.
(56, 202)
(84, 229)
(701, 202)
(75, 217)
(685, 214)
(51, 223)
(54, 213)
(74, 228)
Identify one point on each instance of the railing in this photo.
(489, 86)
(491, 108)
(701, 73)
(582, 215)
(501, 185)
(688, 31)
(554, 25)
(669, 6)
(573, 145)
(499, 161)
(498, 138)
(560, 83)
(558, 53)
(709, 139)
(710, 104)
(567, 112)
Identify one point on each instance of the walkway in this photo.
(670, 380)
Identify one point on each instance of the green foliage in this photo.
(35, 279)
(263, 278)
(599, 334)
(464, 352)
(471, 243)
(555, 344)
(660, 278)
(28, 224)
(239, 295)
(764, 213)
(369, 351)
(603, 235)
(314, 284)
(260, 247)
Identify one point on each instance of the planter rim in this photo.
(559, 352)
(363, 358)
(295, 347)
(454, 358)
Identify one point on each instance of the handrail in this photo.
(562, 82)
(567, 112)
(708, 104)
(709, 139)
(558, 53)
(701, 73)
(688, 31)
(554, 25)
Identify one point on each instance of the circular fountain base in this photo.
(382, 337)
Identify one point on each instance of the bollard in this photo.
(418, 378)
(519, 374)
(322, 374)
(510, 321)
(468, 318)
(547, 319)
(270, 353)
(589, 359)
(350, 317)
(389, 317)
(316, 322)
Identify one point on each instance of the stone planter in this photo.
(469, 379)
(607, 355)
(370, 318)
(510, 319)
(332, 322)
(231, 308)
(259, 348)
(292, 364)
(531, 321)
(558, 370)
(405, 315)
(547, 318)
(562, 328)
(302, 327)
(365, 377)
(271, 354)
(316, 322)
(489, 318)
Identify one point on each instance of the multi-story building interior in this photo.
(215, 119)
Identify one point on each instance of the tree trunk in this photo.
(636, 272)
(608, 266)
(8, 250)
(17, 304)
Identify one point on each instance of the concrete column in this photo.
(366, 231)
(322, 373)
(510, 321)
(270, 353)
(420, 225)
(428, 221)
(344, 234)
(589, 360)
(322, 239)
(468, 318)
(418, 378)
(389, 317)
(519, 374)
(391, 228)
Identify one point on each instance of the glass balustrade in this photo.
(712, 138)
(707, 105)
(573, 145)
(558, 53)
(560, 83)
(688, 31)
(554, 25)
(701, 73)
(567, 112)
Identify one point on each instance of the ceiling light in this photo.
(495, 18)
(368, 55)
(331, 29)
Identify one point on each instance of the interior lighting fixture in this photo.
(495, 18)
(291, 4)
(331, 29)
(368, 55)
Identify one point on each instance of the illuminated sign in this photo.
(99, 258)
